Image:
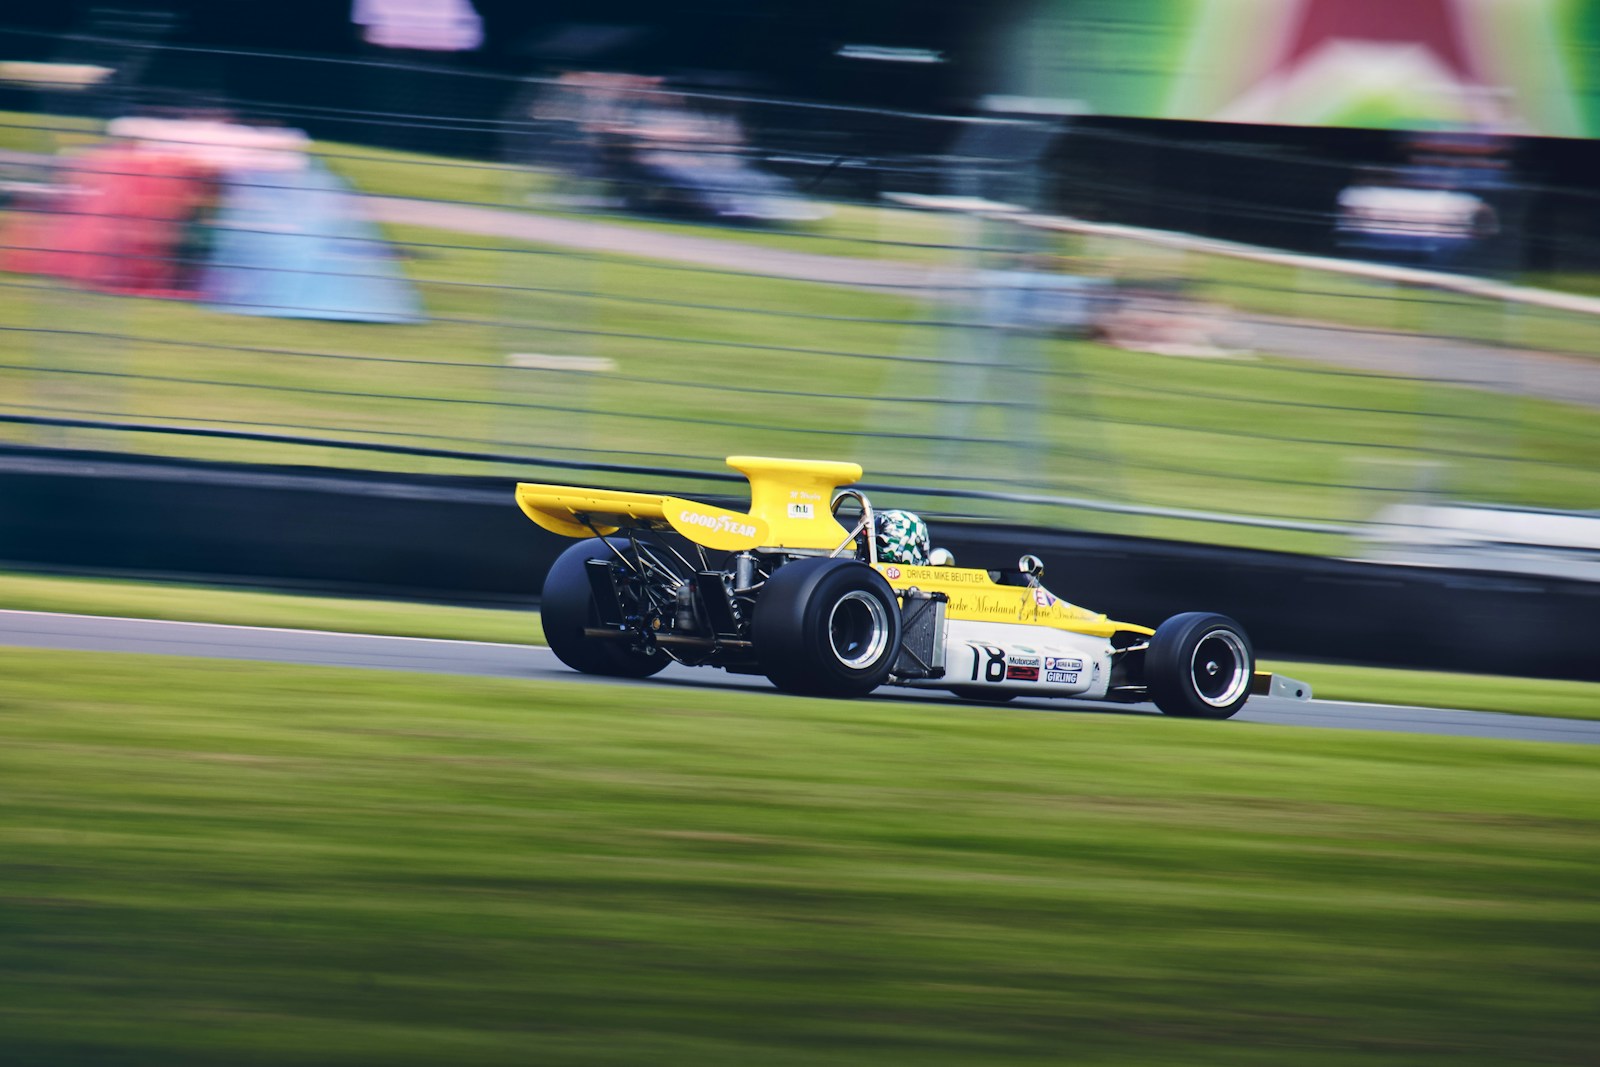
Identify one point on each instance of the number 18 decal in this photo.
(994, 669)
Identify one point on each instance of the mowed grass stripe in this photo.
(248, 864)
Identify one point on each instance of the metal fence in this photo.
(620, 279)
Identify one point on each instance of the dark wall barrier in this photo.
(1298, 606)
(463, 539)
(349, 531)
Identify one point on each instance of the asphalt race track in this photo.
(90, 633)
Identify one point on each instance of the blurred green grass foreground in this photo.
(214, 863)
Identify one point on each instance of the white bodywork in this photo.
(1022, 659)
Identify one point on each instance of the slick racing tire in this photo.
(568, 606)
(826, 627)
(1199, 666)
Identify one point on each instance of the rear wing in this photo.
(790, 508)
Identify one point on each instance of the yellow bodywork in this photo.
(563, 509)
(790, 507)
(976, 597)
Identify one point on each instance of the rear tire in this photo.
(568, 606)
(1199, 666)
(827, 627)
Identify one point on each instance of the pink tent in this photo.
(120, 225)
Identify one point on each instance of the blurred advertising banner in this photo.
(1385, 64)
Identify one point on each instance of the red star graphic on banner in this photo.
(1434, 24)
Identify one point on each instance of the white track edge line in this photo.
(267, 629)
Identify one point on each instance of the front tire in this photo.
(827, 627)
(1199, 666)
(567, 607)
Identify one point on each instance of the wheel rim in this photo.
(1220, 668)
(858, 629)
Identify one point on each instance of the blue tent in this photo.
(294, 244)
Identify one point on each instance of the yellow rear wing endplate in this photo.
(790, 507)
(575, 512)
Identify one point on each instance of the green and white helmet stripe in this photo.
(902, 538)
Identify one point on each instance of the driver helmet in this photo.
(902, 537)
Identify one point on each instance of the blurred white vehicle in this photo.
(1485, 537)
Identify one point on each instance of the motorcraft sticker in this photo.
(1022, 661)
(1016, 672)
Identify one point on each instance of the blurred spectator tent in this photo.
(123, 219)
(239, 217)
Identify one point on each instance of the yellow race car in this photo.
(814, 588)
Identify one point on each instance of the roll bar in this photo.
(865, 525)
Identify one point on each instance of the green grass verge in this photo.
(210, 863)
(1317, 295)
(243, 607)
(709, 365)
(855, 230)
(881, 232)
(898, 234)
(188, 603)
(902, 235)
(1441, 689)
(1268, 436)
